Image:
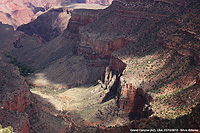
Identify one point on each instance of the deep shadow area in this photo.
(139, 110)
(113, 90)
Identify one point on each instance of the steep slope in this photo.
(168, 64)
(17, 105)
(52, 23)
(17, 12)
(48, 25)
(58, 52)
(128, 49)
(11, 39)
(7, 37)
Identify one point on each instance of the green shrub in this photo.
(23, 69)
(8, 129)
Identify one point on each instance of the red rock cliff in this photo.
(15, 98)
(81, 17)
(132, 101)
(18, 121)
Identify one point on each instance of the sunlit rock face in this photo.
(130, 47)
(17, 105)
(48, 25)
(20, 12)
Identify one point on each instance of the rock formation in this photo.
(132, 101)
(17, 120)
(131, 48)
(18, 107)
(48, 25)
(11, 39)
(15, 98)
(54, 21)
(20, 12)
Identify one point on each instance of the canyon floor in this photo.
(72, 109)
(131, 65)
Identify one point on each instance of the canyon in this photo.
(18, 12)
(134, 64)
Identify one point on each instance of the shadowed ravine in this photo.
(132, 65)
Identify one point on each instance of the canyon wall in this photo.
(15, 98)
(48, 25)
(17, 105)
(18, 12)
(126, 48)
(17, 120)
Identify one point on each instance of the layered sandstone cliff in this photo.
(18, 108)
(128, 46)
(54, 21)
(20, 12)
(48, 25)
(15, 98)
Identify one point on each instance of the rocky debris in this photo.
(126, 30)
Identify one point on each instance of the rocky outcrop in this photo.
(18, 121)
(17, 105)
(133, 100)
(96, 47)
(20, 12)
(81, 17)
(48, 25)
(15, 93)
(52, 23)
(11, 39)
(15, 98)
(117, 65)
(18, 102)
